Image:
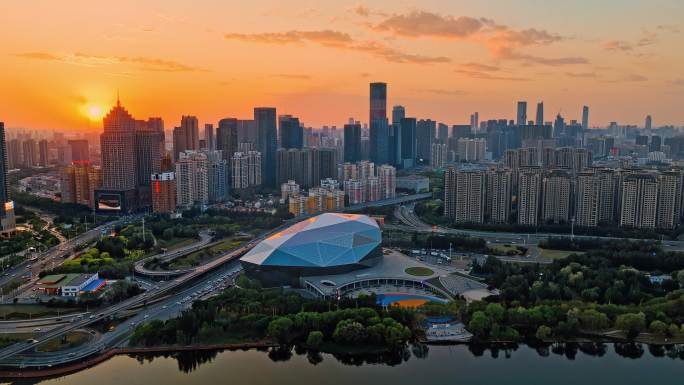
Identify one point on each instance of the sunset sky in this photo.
(63, 61)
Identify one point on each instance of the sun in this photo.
(94, 112)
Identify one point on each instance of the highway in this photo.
(205, 241)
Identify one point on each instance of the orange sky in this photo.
(62, 60)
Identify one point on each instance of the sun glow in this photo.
(94, 112)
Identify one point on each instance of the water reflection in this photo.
(189, 361)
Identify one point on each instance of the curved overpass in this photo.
(140, 269)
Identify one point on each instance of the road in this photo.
(205, 240)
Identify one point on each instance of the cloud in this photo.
(627, 78)
(421, 23)
(88, 60)
(364, 11)
(440, 91)
(647, 39)
(340, 40)
(618, 45)
(489, 76)
(479, 67)
(583, 75)
(293, 76)
(503, 42)
(678, 82)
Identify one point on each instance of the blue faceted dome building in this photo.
(329, 243)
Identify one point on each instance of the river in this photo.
(593, 364)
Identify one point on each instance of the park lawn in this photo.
(201, 255)
(14, 312)
(504, 249)
(556, 254)
(419, 271)
(177, 243)
(73, 340)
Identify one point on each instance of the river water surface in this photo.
(597, 364)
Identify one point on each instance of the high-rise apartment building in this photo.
(43, 153)
(471, 150)
(192, 179)
(557, 192)
(227, 137)
(30, 153)
(498, 196)
(438, 156)
(209, 137)
(163, 192)
(669, 200)
(246, 170)
(186, 136)
(218, 182)
(78, 183)
(529, 197)
(387, 177)
(639, 201)
(464, 196)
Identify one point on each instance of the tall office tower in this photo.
(387, 177)
(265, 121)
(425, 136)
(521, 117)
(218, 182)
(529, 197)
(186, 137)
(324, 164)
(471, 150)
(498, 196)
(209, 137)
(7, 219)
(352, 142)
(43, 153)
(29, 151)
(540, 114)
(641, 140)
(556, 197)
(246, 170)
(117, 145)
(398, 113)
(192, 179)
(587, 199)
(379, 141)
(585, 118)
(474, 122)
(14, 158)
(442, 133)
(163, 192)
(149, 149)
(79, 150)
(639, 201)
(438, 156)
(378, 102)
(649, 122)
(465, 193)
(408, 142)
(291, 132)
(669, 199)
(227, 137)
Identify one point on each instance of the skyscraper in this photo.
(398, 113)
(7, 220)
(585, 118)
(443, 133)
(43, 153)
(521, 118)
(425, 136)
(265, 121)
(209, 136)
(378, 102)
(352, 142)
(291, 132)
(192, 180)
(186, 137)
(163, 192)
(29, 151)
(117, 144)
(218, 183)
(540, 114)
(79, 150)
(408, 142)
(246, 170)
(474, 121)
(149, 147)
(379, 141)
(227, 137)
(649, 122)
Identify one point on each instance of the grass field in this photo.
(32, 311)
(73, 339)
(419, 271)
(556, 254)
(504, 249)
(199, 256)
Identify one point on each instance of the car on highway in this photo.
(36, 329)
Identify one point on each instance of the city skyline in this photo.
(441, 61)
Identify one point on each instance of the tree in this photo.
(349, 332)
(314, 339)
(495, 312)
(279, 329)
(479, 324)
(658, 327)
(631, 323)
(543, 332)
